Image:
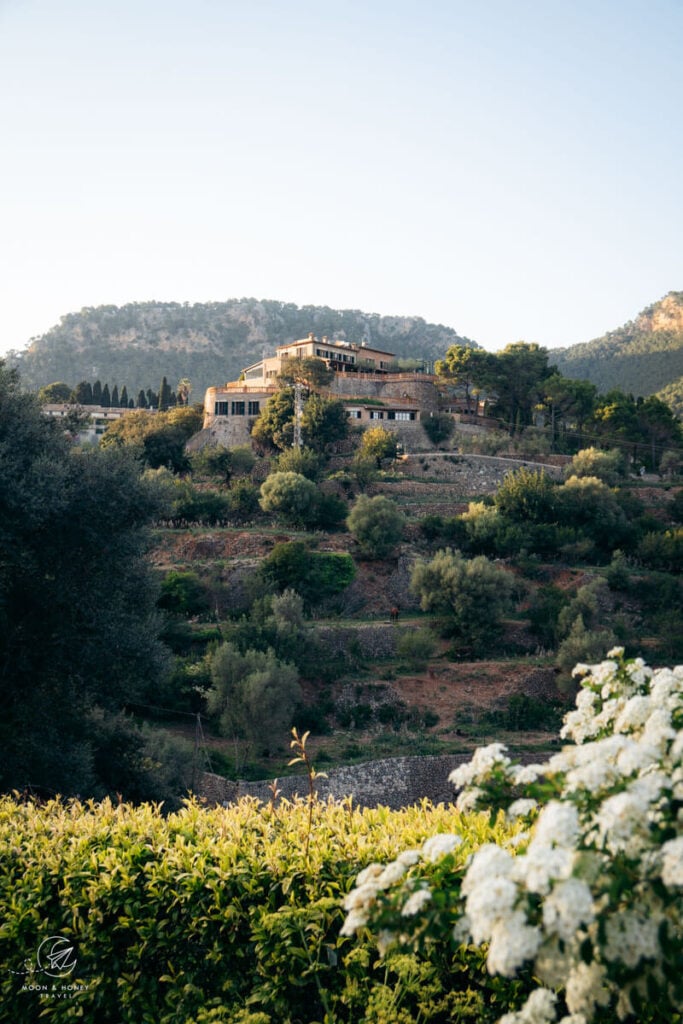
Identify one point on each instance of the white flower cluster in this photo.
(587, 903)
(467, 776)
(377, 877)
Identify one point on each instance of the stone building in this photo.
(367, 380)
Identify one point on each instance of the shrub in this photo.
(376, 525)
(663, 550)
(242, 501)
(416, 646)
(527, 495)
(290, 495)
(608, 466)
(303, 461)
(220, 916)
(183, 593)
(438, 427)
(330, 512)
(544, 610)
(315, 575)
(223, 463)
(191, 505)
(377, 445)
(522, 712)
(582, 645)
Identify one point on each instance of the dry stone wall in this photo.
(393, 782)
(474, 474)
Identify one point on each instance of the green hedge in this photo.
(217, 916)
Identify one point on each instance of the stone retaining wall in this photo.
(475, 474)
(393, 782)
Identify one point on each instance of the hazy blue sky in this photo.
(511, 168)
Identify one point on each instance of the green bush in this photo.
(416, 647)
(291, 496)
(242, 501)
(183, 593)
(663, 550)
(608, 466)
(220, 916)
(522, 712)
(315, 575)
(438, 427)
(376, 525)
(191, 505)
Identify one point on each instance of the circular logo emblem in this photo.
(56, 956)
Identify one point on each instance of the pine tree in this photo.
(115, 396)
(106, 397)
(97, 393)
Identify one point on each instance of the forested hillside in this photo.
(643, 357)
(209, 343)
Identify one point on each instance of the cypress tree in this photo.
(142, 401)
(164, 395)
(97, 393)
(106, 397)
(124, 397)
(115, 396)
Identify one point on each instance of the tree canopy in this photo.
(78, 628)
(158, 439)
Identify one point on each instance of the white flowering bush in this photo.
(584, 906)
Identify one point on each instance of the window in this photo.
(353, 414)
(254, 408)
(396, 414)
(237, 409)
(376, 414)
(221, 408)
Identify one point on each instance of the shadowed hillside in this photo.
(643, 357)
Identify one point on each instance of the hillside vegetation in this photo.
(210, 342)
(643, 357)
(335, 588)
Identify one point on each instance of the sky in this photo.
(509, 168)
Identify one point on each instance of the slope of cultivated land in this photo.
(380, 707)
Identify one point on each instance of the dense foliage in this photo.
(228, 916)
(158, 440)
(78, 627)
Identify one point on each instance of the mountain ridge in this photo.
(210, 342)
(642, 357)
(138, 343)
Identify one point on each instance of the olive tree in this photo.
(290, 495)
(253, 695)
(376, 524)
(470, 594)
